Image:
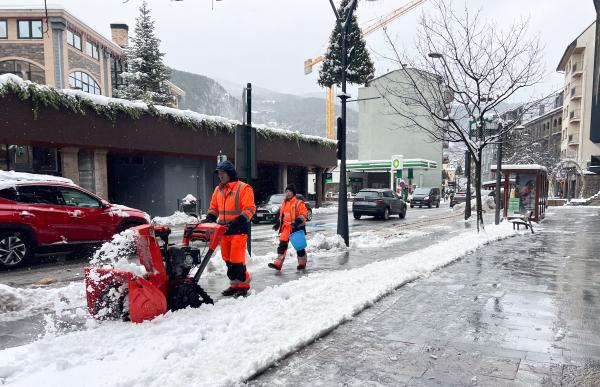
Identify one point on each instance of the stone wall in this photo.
(31, 51)
(81, 61)
(592, 185)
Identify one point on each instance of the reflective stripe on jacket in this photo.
(292, 209)
(232, 200)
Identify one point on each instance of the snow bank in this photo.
(488, 203)
(325, 210)
(177, 218)
(189, 199)
(20, 303)
(320, 242)
(229, 342)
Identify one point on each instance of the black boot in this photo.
(241, 293)
(300, 267)
(229, 292)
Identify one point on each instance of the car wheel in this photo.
(438, 204)
(402, 213)
(429, 205)
(420, 206)
(386, 214)
(412, 206)
(255, 221)
(357, 216)
(15, 249)
(309, 215)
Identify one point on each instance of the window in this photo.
(25, 70)
(9, 194)
(37, 194)
(74, 39)
(76, 198)
(30, 29)
(116, 71)
(388, 194)
(81, 81)
(3, 29)
(92, 50)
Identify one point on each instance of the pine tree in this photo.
(360, 66)
(146, 74)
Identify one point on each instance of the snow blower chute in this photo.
(168, 280)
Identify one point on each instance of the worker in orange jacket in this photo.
(292, 218)
(232, 204)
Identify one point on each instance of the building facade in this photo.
(382, 134)
(577, 63)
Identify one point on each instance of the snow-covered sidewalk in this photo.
(232, 340)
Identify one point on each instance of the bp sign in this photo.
(397, 162)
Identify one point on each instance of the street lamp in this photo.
(343, 22)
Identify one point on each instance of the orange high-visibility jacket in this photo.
(292, 209)
(232, 200)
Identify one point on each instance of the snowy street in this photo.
(277, 320)
(384, 239)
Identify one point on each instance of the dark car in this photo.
(53, 217)
(268, 211)
(425, 197)
(380, 203)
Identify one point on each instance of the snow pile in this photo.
(320, 242)
(10, 299)
(177, 218)
(120, 254)
(189, 199)
(18, 303)
(325, 210)
(194, 346)
(488, 203)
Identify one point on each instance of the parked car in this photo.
(55, 217)
(425, 197)
(380, 203)
(461, 196)
(268, 211)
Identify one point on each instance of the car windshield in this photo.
(421, 191)
(276, 199)
(367, 195)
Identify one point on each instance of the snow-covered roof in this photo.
(522, 167)
(11, 82)
(12, 178)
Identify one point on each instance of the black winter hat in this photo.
(227, 167)
(291, 187)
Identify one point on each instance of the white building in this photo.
(383, 133)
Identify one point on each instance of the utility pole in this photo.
(249, 150)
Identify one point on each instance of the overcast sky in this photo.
(266, 41)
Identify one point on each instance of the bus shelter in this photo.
(525, 189)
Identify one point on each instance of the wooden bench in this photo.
(518, 221)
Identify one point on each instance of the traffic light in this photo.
(340, 135)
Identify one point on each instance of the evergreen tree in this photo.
(146, 74)
(360, 66)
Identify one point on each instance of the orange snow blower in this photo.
(168, 280)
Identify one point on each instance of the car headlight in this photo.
(274, 209)
(426, 198)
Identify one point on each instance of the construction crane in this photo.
(309, 63)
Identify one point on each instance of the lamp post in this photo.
(343, 22)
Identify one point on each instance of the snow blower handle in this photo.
(210, 233)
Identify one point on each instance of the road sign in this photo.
(328, 176)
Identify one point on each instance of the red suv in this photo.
(53, 216)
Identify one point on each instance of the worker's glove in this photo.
(237, 224)
(297, 223)
(210, 218)
(277, 225)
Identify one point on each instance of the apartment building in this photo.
(577, 63)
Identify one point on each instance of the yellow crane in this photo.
(309, 63)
